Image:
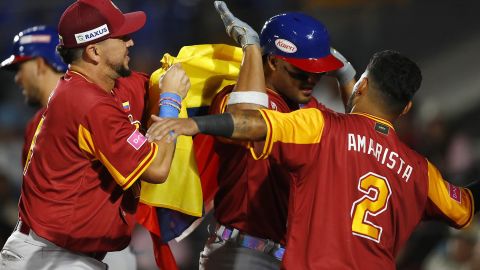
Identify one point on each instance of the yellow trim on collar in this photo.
(376, 118)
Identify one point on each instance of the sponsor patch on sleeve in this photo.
(136, 139)
(455, 193)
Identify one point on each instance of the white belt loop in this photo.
(219, 231)
(235, 234)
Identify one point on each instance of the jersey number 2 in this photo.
(375, 201)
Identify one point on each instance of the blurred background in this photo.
(442, 36)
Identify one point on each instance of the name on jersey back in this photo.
(383, 155)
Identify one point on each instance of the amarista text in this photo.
(383, 155)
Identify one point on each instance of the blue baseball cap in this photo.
(300, 40)
(37, 41)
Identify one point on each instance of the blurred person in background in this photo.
(37, 67)
(457, 251)
(475, 259)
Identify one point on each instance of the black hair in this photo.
(69, 55)
(396, 77)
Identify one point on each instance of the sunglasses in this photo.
(302, 75)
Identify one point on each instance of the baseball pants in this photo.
(221, 254)
(22, 251)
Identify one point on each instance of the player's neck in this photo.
(49, 82)
(368, 108)
(95, 74)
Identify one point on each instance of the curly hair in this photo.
(396, 77)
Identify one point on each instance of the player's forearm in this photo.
(251, 82)
(346, 91)
(345, 76)
(158, 170)
(251, 76)
(240, 125)
(249, 125)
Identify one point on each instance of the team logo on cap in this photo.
(285, 45)
(92, 34)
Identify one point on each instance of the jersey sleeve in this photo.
(447, 201)
(108, 136)
(289, 133)
(219, 102)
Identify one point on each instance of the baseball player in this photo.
(38, 68)
(80, 188)
(252, 199)
(358, 192)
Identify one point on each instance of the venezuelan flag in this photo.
(168, 209)
(126, 106)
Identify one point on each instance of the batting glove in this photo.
(241, 32)
(345, 74)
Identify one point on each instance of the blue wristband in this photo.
(169, 95)
(167, 105)
(168, 111)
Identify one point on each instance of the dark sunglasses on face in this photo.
(302, 75)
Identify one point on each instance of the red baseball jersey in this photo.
(358, 192)
(30, 133)
(252, 195)
(87, 152)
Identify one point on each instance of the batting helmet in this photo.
(37, 41)
(300, 40)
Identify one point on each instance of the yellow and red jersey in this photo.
(30, 133)
(87, 151)
(252, 195)
(357, 191)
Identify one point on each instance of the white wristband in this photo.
(252, 97)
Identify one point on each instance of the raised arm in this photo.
(249, 92)
(345, 77)
(173, 85)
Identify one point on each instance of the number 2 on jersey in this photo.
(375, 201)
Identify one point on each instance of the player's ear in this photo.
(362, 86)
(42, 66)
(407, 108)
(272, 62)
(91, 53)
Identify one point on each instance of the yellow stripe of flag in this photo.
(210, 67)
